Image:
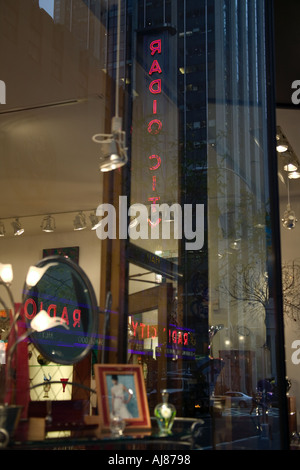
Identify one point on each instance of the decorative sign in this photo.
(155, 125)
(144, 331)
(63, 292)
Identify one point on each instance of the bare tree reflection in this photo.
(290, 290)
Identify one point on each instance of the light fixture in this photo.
(94, 221)
(113, 153)
(18, 229)
(48, 224)
(281, 141)
(35, 273)
(2, 229)
(42, 321)
(290, 167)
(79, 221)
(281, 148)
(289, 219)
(290, 162)
(288, 158)
(294, 175)
(6, 273)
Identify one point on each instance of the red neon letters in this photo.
(155, 46)
(155, 125)
(155, 67)
(31, 309)
(158, 162)
(143, 331)
(155, 86)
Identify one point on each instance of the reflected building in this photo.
(211, 103)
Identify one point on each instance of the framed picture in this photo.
(70, 252)
(121, 391)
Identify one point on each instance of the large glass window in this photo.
(194, 272)
(203, 320)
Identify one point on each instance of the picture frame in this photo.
(130, 399)
(71, 252)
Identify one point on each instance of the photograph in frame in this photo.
(121, 391)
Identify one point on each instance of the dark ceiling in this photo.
(287, 49)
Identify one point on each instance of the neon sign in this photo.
(144, 331)
(155, 126)
(72, 318)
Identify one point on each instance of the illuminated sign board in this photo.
(155, 126)
(155, 181)
(145, 331)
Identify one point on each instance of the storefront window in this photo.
(187, 275)
(202, 318)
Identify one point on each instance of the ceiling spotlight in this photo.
(281, 148)
(290, 166)
(94, 221)
(18, 229)
(48, 224)
(113, 153)
(79, 222)
(294, 175)
(2, 229)
(288, 159)
(281, 141)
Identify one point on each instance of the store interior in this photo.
(46, 133)
(52, 164)
(288, 118)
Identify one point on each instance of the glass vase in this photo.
(165, 413)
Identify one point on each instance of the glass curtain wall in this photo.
(203, 320)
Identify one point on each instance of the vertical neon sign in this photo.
(155, 125)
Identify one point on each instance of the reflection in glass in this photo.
(63, 292)
(201, 138)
